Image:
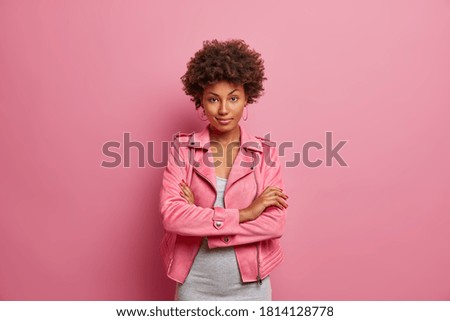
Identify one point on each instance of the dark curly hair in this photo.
(230, 60)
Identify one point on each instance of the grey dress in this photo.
(215, 276)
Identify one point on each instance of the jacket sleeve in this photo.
(271, 223)
(180, 217)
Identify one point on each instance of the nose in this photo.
(223, 109)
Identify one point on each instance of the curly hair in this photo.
(230, 60)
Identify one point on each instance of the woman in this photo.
(221, 201)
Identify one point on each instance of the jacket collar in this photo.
(202, 140)
(243, 165)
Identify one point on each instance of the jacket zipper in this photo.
(258, 277)
(170, 265)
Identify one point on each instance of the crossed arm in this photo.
(263, 219)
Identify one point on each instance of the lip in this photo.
(224, 121)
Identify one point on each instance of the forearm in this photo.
(245, 215)
(270, 224)
(180, 217)
(187, 219)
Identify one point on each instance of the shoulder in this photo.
(181, 138)
(265, 142)
(269, 149)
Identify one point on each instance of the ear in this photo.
(245, 99)
(199, 99)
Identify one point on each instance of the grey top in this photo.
(215, 276)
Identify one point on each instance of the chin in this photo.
(223, 128)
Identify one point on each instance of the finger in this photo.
(188, 191)
(278, 202)
(184, 185)
(185, 189)
(185, 194)
(283, 203)
(270, 201)
(191, 199)
(280, 194)
(279, 205)
(270, 192)
(276, 193)
(187, 198)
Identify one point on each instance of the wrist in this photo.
(245, 215)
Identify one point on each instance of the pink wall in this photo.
(74, 75)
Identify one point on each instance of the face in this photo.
(224, 104)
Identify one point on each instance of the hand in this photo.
(186, 192)
(271, 196)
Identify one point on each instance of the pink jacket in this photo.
(256, 242)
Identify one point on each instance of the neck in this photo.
(224, 138)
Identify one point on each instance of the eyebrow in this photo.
(228, 93)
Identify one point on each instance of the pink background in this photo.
(74, 75)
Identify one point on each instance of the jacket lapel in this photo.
(242, 165)
(203, 158)
(202, 167)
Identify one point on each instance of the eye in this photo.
(212, 99)
(234, 99)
